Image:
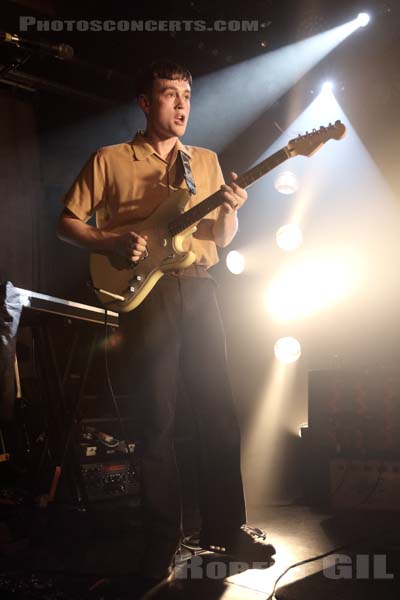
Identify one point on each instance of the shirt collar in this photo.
(142, 148)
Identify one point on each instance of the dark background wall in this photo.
(21, 191)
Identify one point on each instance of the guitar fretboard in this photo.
(255, 173)
(199, 211)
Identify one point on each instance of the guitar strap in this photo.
(187, 172)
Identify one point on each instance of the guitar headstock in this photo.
(307, 144)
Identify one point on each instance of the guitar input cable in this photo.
(111, 389)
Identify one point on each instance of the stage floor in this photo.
(65, 554)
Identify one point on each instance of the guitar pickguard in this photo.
(114, 274)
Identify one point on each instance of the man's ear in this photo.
(144, 102)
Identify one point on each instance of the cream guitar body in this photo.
(122, 287)
(166, 252)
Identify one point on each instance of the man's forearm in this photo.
(225, 228)
(74, 231)
(130, 245)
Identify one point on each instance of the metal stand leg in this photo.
(4, 456)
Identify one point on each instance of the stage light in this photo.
(287, 350)
(363, 19)
(289, 237)
(312, 285)
(235, 262)
(327, 86)
(286, 183)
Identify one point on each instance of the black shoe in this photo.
(248, 544)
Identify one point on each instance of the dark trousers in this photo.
(177, 332)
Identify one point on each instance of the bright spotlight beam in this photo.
(314, 284)
(289, 237)
(363, 19)
(267, 78)
(261, 443)
(327, 86)
(287, 350)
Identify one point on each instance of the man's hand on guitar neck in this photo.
(233, 195)
(226, 225)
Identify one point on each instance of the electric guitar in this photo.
(121, 286)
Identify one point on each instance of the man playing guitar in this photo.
(176, 333)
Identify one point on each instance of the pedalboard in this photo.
(107, 480)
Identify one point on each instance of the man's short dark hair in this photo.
(160, 69)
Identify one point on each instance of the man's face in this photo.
(168, 107)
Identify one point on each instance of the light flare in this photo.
(235, 262)
(313, 284)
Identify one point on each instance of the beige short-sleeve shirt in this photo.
(123, 184)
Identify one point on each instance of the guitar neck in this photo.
(252, 175)
(202, 209)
